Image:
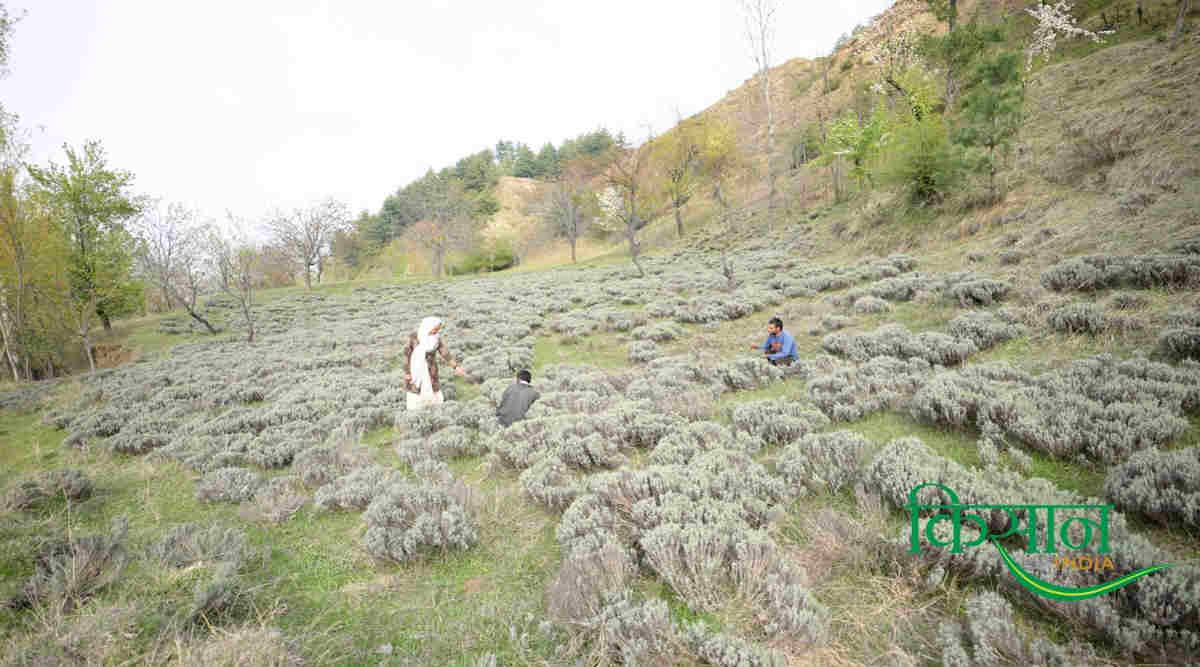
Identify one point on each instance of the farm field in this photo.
(670, 498)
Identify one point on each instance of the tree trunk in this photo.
(1139, 12)
(87, 347)
(571, 239)
(771, 164)
(438, 253)
(308, 276)
(953, 13)
(196, 316)
(1183, 10)
(104, 319)
(678, 221)
(12, 362)
(634, 251)
(249, 322)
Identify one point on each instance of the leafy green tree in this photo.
(548, 166)
(992, 109)
(477, 172)
(92, 203)
(955, 51)
(525, 165)
(506, 156)
(805, 146)
(677, 155)
(446, 221)
(858, 143)
(925, 162)
(630, 201)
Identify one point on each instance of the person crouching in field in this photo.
(517, 399)
(421, 380)
(780, 346)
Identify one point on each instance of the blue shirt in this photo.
(787, 346)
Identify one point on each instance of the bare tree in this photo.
(570, 204)
(446, 223)
(306, 234)
(760, 30)
(171, 253)
(234, 261)
(629, 200)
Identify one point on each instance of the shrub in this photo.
(925, 164)
(746, 374)
(1134, 271)
(828, 461)
(871, 305)
(216, 597)
(277, 500)
(1059, 422)
(317, 466)
(836, 322)
(972, 293)
(1164, 486)
(1077, 318)
(1010, 257)
(659, 332)
(681, 446)
(643, 350)
(848, 394)
(66, 483)
(778, 421)
(893, 340)
(955, 398)
(189, 543)
(992, 638)
(1183, 343)
(1188, 247)
(586, 580)
(249, 644)
(1128, 301)
(1183, 319)
(551, 483)
(984, 329)
(702, 563)
(408, 521)
(356, 489)
(230, 484)
(1093, 145)
(1073, 274)
(67, 574)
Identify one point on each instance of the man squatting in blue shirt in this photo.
(780, 347)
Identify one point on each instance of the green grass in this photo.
(602, 350)
(444, 610)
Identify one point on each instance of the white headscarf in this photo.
(426, 343)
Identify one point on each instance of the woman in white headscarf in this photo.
(421, 352)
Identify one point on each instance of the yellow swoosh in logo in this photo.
(1056, 592)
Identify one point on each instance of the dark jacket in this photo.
(430, 359)
(515, 402)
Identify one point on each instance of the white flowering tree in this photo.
(1052, 21)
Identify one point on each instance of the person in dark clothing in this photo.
(517, 399)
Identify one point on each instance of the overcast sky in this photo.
(249, 105)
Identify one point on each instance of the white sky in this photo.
(250, 105)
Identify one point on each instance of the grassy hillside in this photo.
(671, 499)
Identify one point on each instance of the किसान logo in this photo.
(1030, 531)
